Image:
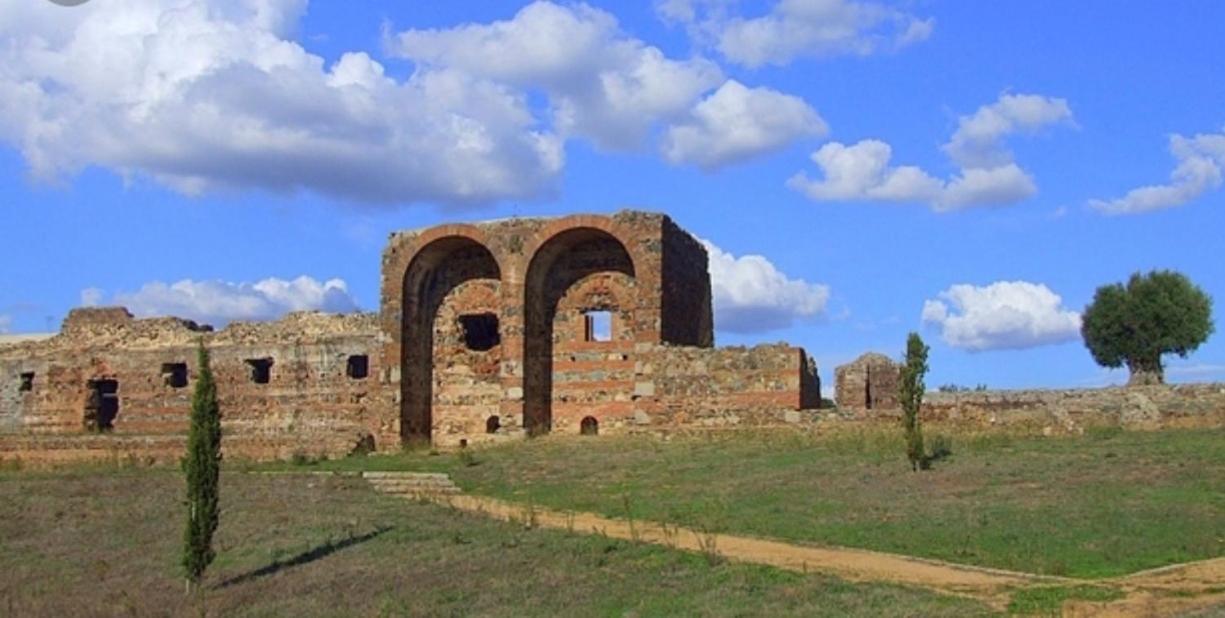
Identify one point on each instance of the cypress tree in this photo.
(910, 395)
(202, 466)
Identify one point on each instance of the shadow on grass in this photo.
(315, 553)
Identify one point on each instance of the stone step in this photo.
(435, 491)
(411, 486)
(411, 483)
(371, 475)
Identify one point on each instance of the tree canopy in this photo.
(1161, 312)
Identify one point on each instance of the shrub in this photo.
(941, 447)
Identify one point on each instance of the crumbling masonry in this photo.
(492, 331)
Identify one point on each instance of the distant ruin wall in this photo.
(1071, 410)
(325, 392)
(869, 382)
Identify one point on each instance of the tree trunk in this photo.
(1145, 374)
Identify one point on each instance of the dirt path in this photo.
(1158, 592)
(990, 585)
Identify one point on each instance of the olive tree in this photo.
(1157, 313)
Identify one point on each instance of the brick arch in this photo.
(571, 250)
(603, 223)
(420, 243)
(446, 257)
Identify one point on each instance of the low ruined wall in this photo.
(1070, 410)
(727, 386)
(310, 403)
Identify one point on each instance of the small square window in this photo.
(27, 382)
(480, 331)
(597, 326)
(261, 370)
(358, 367)
(174, 375)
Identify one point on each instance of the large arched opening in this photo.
(593, 271)
(437, 270)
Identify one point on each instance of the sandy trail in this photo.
(1165, 591)
(991, 585)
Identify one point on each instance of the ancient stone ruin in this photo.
(494, 331)
(867, 388)
(870, 382)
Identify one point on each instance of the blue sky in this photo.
(201, 157)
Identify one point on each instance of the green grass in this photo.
(106, 542)
(1048, 600)
(1103, 504)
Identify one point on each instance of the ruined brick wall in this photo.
(467, 361)
(725, 386)
(485, 333)
(309, 405)
(686, 312)
(869, 382)
(1070, 410)
(549, 273)
(592, 378)
(1048, 410)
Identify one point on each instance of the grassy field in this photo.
(1102, 504)
(105, 542)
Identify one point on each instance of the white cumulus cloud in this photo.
(1201, 167)
(735, 123)
(1002, 315)
(205, 95)
(797, 28)
(752, 295)
(978, 141)
(615, 90)
(987, 175)
(220, 302)
(202, 95)
(602, 84)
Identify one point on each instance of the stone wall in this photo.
(727, 386)
(548, 276)
(485, 333)
(687, 309)
(869, 382)
(1070, 410)
(309, 405)
(1058, 411)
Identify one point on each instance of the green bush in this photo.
(941, 447)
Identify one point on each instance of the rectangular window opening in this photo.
(597, 326)
(480, 331)
(103, 405)
(27, 382)
(358, 367)
(174, 375)
(261, 370)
